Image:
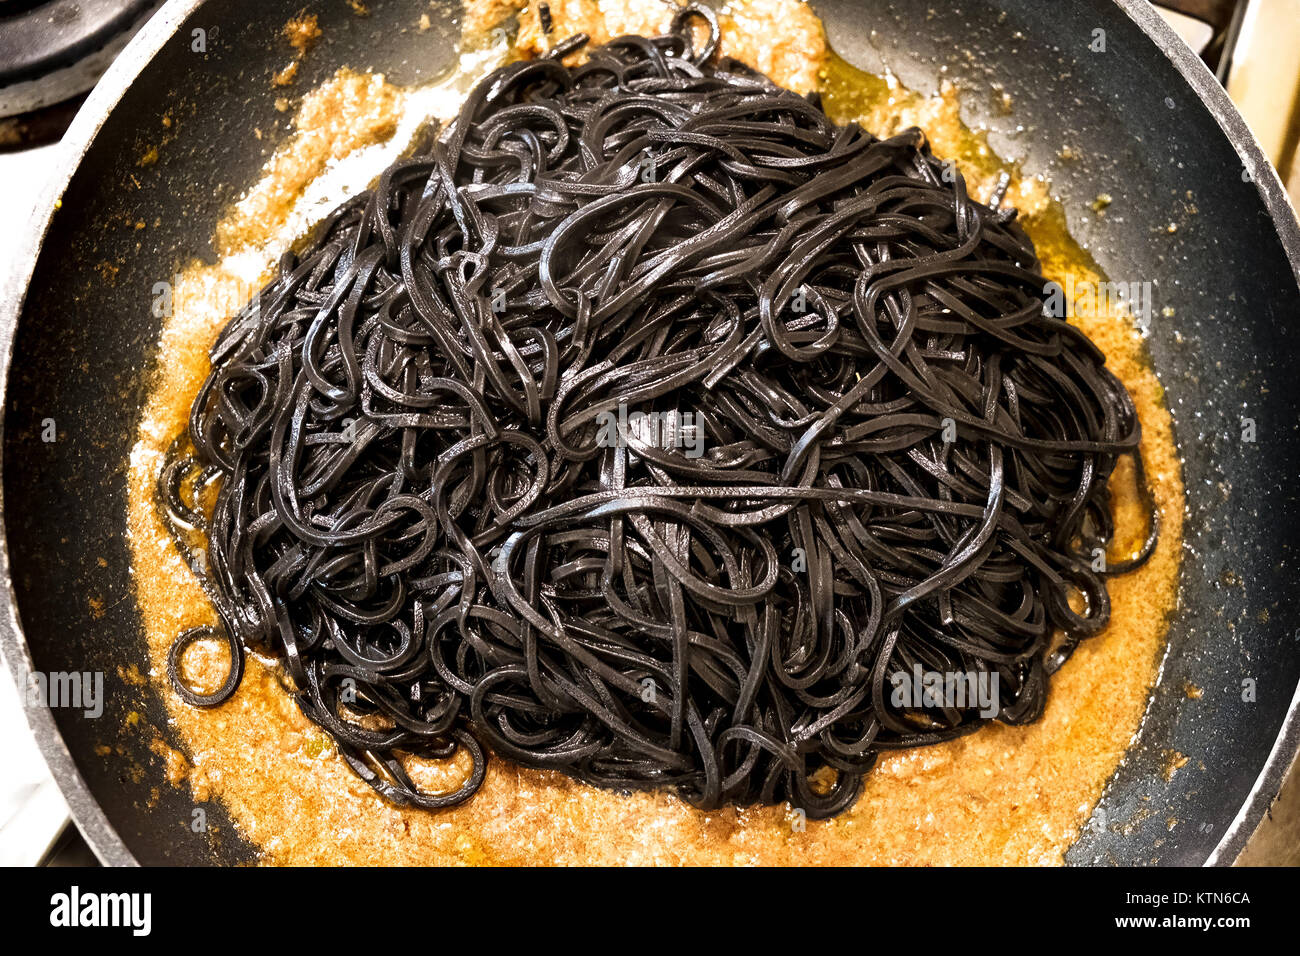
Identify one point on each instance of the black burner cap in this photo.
(44, 43)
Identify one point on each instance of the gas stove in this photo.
(54, 50)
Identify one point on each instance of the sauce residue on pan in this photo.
(1003, 795)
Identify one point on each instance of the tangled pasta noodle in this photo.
(437, 507)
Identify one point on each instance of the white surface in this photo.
(32, 811)
(1265, 77)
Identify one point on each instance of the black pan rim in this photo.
(1286, 749)
(86, 812)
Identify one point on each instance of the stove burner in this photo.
(51, 50)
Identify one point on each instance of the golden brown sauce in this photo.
(1003, 795)
(782, 38)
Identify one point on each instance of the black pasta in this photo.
(641, 428)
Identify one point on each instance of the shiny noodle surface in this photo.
(646, 425)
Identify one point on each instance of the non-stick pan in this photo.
(1145, 123)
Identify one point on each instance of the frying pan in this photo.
(1146, 123)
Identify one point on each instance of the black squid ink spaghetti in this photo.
(847, 444)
